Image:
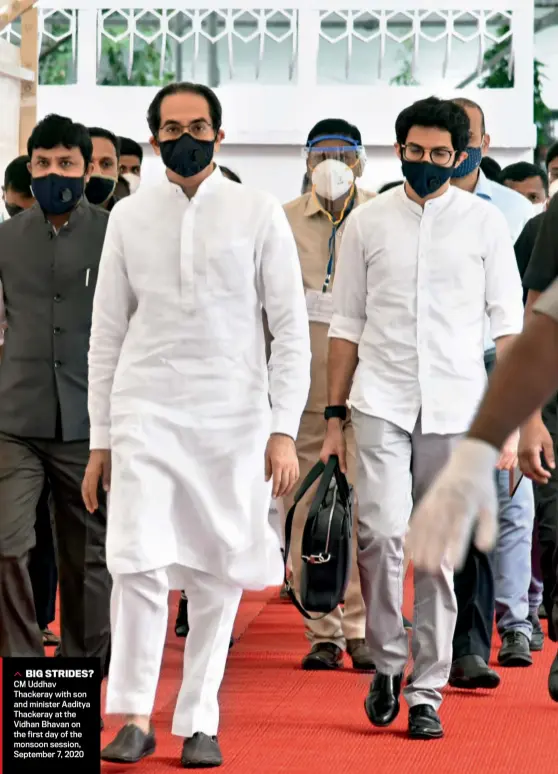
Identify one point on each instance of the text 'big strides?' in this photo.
(51, 715)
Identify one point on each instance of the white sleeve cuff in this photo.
(285, 423)
(99, 437)
(499, 331)
(348, 328)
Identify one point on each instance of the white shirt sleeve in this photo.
(282, 295)
(113, 305)
(3, 321)
(349, 287)
(504, 292)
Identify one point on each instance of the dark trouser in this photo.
(546, 515)
(474, 590)
(42, 563)
(80, 544)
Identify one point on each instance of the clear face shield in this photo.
(333, 164)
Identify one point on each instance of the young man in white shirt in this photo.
(179, 401)
(419, 268)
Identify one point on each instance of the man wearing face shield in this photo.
(418, 267)
(49, 255)
(498, 583)
(182, 430)
(335, 160)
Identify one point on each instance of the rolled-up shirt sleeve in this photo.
(288, 339)
(349, 287)
(113, 306)
(504, 292)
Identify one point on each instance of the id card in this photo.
(319, 306)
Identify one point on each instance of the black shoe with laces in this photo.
(515, 650)
(537, 637)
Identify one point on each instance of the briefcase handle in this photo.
(327, 471)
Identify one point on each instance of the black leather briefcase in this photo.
(326, 541)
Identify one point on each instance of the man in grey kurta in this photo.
(48, 267)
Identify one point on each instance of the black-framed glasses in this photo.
(441, 157)
(200, 130)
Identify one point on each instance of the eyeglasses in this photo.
(200, 129)
(441, 157)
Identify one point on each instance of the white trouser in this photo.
(139, 612)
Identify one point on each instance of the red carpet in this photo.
(276, 719)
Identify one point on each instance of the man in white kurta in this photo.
(179, 393)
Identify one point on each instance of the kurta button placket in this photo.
(187, 255)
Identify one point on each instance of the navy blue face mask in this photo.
(424, 177)
(186, 156)
(472, 162)
(57, 194)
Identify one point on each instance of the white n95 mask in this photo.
(332, 179)
(133, 181)
(538, 208)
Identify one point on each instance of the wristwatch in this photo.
(336, 412)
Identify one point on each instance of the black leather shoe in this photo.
(424, 723)
(515, 651)
(324, 655)
(361, 655)
(181, 626)
(537, 637)
(382, 703)
(471, 672)
(553, 680)
(129, 746)
(201, 752)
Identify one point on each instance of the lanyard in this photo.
(332, 240)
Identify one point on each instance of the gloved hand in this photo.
(462, 499)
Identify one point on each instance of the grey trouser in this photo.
(394, 470)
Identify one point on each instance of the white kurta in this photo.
(178, 379)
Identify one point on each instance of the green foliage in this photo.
(56, 66)
(405, 77)
(146, 66)
(500, 76)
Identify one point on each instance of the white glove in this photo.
(462, 499)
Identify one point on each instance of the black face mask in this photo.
(57, 194)
(424, 177)
(187, 156)
(13, 209)
(99, 189)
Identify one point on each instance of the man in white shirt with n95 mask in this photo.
(419, 267)
(181, 425)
